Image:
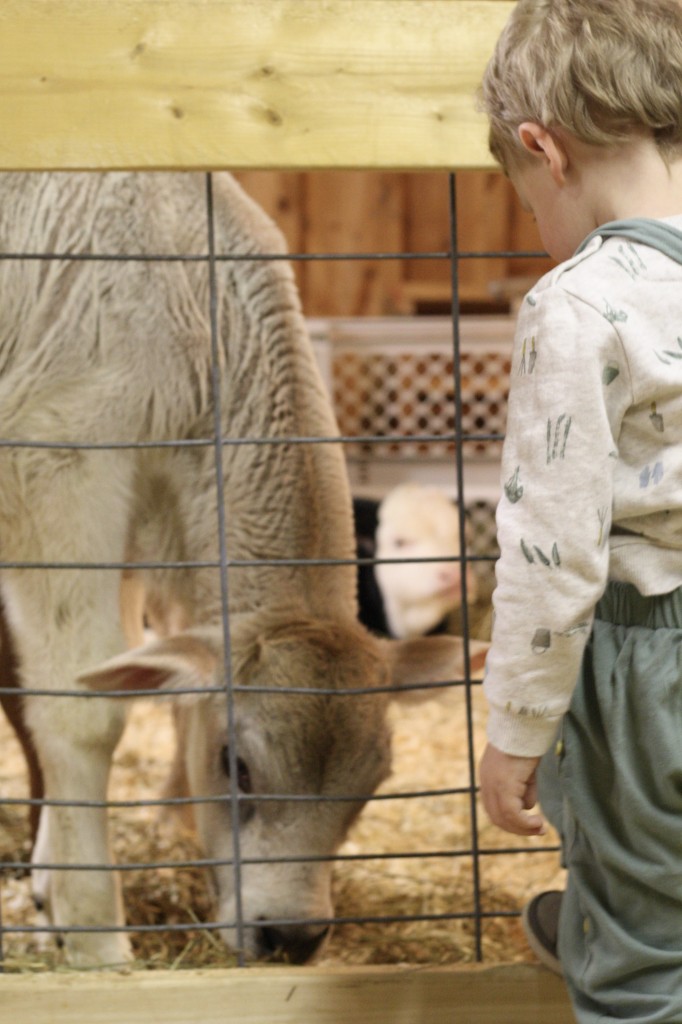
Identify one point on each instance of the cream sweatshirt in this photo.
(591, 472)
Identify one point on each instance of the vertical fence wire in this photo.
(223, 556)
(459, 471)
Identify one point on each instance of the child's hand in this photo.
(508, 788)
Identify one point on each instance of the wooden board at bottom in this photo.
(283, 995)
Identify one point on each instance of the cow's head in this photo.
(294, 769)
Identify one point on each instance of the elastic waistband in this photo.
(623, 605)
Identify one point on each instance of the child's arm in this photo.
(570, 387)
(509, 790)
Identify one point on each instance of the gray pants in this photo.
(613, 788)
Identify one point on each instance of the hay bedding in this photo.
(430, 752)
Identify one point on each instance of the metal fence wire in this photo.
(464, 859)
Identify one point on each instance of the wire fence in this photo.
(454, 443)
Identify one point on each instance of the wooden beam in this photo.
(473, 995)
(244, 83)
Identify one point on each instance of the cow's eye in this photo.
(243, 773)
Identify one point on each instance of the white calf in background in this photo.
(103, 352)
(416, 522)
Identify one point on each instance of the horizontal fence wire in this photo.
(332, 257)
(397, 690)
(274, 922)
(225, 565)
(339, 858)
(241, 442)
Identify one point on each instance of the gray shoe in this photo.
(540, 920)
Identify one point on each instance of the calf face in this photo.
(419, 523)
(302, 766)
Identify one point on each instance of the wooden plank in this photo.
(484, 211)
(487, 209)
(282, 195)
(427, 218)
(244, 83)
(514, 995)
(350, 212)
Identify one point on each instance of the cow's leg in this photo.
(64, 621)
(77, 835)
(13, 707)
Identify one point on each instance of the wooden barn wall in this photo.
(380, 211)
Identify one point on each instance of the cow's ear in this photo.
(187, 660)
(431, 659)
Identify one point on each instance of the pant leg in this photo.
(550, 796)
(620, 936)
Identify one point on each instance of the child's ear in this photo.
(544, 145)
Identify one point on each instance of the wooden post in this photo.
(305, 995)
(244, 83)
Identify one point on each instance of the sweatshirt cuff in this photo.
(520, 735)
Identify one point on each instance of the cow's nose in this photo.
(294, 943)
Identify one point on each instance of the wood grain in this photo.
(474, 995)
(244, 83)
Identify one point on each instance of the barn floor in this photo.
(430, 752)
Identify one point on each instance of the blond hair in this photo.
(604, 70)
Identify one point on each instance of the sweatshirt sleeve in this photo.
(569, 389)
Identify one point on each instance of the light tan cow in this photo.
(103, 352)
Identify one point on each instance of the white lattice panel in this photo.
(393, 378)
